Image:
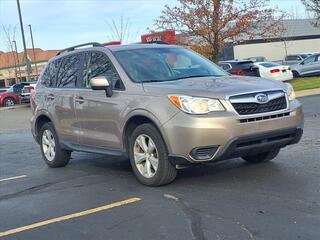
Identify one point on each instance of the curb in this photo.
(308, 92)
(14, 107)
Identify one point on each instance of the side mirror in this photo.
(101, 83)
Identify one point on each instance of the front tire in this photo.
(149, 156)
(261, 157)
(9, 102)
(51, 150)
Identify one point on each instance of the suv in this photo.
(162, 106)
(240, 67)
(308, 67)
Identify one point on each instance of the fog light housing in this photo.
(203, 153)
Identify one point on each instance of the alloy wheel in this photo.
(48, 145)
(146, 155)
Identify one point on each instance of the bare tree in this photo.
(314, 7)
(212, 22)
(10, 33)
(119, 31)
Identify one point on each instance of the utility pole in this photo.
(17, 56)
(24, 42)
(34, 55)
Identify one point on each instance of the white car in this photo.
(274, 71)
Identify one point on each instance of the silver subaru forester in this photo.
(162, 106)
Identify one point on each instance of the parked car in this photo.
(25, 93)
(240, 67)
(23, 89)
(162, 106)
(274, 71)
(295, 58)
(308, 67)
(8, 99)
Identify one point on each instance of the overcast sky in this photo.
(58, 24)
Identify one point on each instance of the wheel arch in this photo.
(40, 121)
(135, 120)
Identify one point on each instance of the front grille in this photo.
(255, 108)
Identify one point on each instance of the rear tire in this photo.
(51, 151)
(8, 102)
(261, 157)
(149, 156)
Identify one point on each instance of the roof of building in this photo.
(300, 27)
(8, 59)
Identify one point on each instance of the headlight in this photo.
(196, 105)
(290, 92)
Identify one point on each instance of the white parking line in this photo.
(12, 178)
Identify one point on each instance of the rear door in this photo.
(62, 97)
(97, 114)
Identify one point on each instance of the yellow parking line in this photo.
(12, 178)
(70, 216)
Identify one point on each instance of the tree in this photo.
(10, 33)
(313, 6)
(119, 31)
(212, 22)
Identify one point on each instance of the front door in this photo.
(97, 114)
(308, 65)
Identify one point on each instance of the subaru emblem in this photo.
(262, 98)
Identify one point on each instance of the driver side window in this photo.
(310, 59)
(98, 64)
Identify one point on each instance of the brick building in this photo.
(14, 70)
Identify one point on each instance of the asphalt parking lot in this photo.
(97, 197)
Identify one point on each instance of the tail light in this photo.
(238, 72)
(32, 100)
(274, 70)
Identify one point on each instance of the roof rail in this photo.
(93, 44)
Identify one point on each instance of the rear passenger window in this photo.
(50, 73)
(69, 71)
(98, 64)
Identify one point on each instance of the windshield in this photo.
(165, 64)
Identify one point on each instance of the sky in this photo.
(57, 24)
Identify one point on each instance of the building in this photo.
(14, 70)
(300, 36)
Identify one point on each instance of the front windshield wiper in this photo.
(152, 80)
(179, 78)
(194, 76)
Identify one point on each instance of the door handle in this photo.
(50, 97)
(79, 100)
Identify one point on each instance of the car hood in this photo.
(1, 93)
(217, 87)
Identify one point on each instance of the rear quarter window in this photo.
(49, 75)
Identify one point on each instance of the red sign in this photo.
(111, 43)
(165, 36)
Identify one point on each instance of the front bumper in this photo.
(224, 131)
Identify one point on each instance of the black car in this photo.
(23, 89)
(240, 67)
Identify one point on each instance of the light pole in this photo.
(17, 56)
(34, 55)
(24, 42)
